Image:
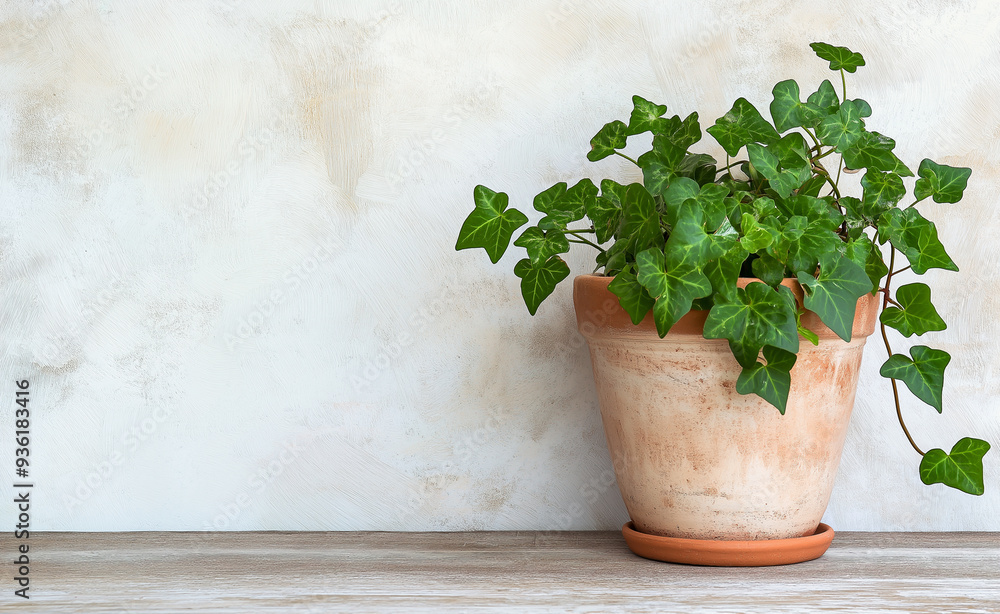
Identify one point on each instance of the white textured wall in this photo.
(227, 266)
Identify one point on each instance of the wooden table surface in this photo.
(488, 572)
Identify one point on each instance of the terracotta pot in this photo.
(697, 460)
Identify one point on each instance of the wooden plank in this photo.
(490, 572)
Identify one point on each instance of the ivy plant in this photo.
(680, 239)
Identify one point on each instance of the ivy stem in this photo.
(576, 230)
(584, 241)
(823, 155)
(888, 298)
(905, 268)
(729, 166)
(819, 168)
(840, 167)
(814, 139)
(885, 338)
(618, 153)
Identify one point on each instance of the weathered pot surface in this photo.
(695, 459)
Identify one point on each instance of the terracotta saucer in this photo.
(729, 553)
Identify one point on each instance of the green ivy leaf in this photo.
(605, 211)
(856, 250)
(765, 208)
(646, 116)
(944, 183)
(679, 191)
(574, 202)
(861, 214)
(872, 151)
(711, 199)
(875, 266)
(673, 283)
(792, 151)
(540, 245)
(683, 134)
(614, 259)
(755, 237)
(962, 469)
(771, 380)
(539, 280)
(688, 241)
(768, 269)
(821, 103)
(727, 230)
(881, 192)
(801, 244)
(807, 334)
(490, 225)
(923, 375)
(723, 272)
(864, 109)
(834, 295)
(786, 108)
(565, 205)
(818, 210)
(863, 252)
(660, 163)
(736, 206)
(614, 191)
(614, 135)
(855, 216)
(843, 128)
(901, 169)
(699, 167)
(917, 315)
(917, 238)
(840, 58)
(543, 202)
(726, 237)
(759, 316)
(812, 186)
(742, 125)
(785, 173)
(631, 295)
(641, 229)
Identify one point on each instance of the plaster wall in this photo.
(227, 265)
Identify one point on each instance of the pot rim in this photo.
(598, 312)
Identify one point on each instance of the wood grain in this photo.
(491, 572)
